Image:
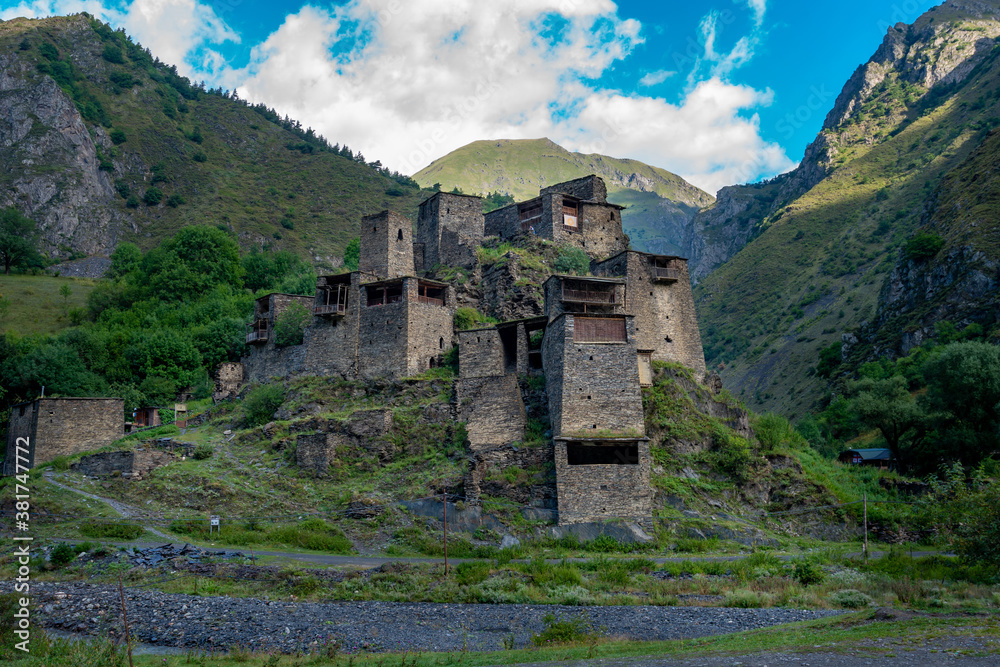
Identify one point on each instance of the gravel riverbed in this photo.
(187, 621)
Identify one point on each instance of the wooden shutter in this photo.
(599, 330)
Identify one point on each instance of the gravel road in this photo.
(188, 621)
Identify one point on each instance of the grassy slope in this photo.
(816, 270)
(250, 181)
(36, 306)
(522, 167)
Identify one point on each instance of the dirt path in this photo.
(126, 511)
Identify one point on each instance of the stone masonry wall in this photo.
(130, 465)
(450, 227)
(588, 188)
(592, 387)
(332, 342)
(228, 379)
(382, 340)
(601, 492)
(484, 476)
(22, 427)
(386, 245)
(65, 426)
(665, 319)
(480, 353)
(492, 409)
(504, 222)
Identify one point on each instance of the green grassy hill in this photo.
(660, 204)
(897, 153)
(35, 304)
(212, 158)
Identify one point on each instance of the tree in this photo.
(352, 255)
(191, 263)
(124, 259)
(65, 291)
(17, 239)
(290, 325)
(887, 405)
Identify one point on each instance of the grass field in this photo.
(36, 306)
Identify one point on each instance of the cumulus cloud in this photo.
(407, 81)
(179, 32)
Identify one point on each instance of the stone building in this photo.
(52, 427)
(576, 213)
(658, 294)
(449, 229)
(386, 246)
(266, 358)
(487, 392)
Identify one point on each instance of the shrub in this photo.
(562, 631)
(122, 188)
(173, 201)
(603, 544)
(113, 54)
(199, 156)
(807, 573)
(747, 599)
(572, 260)
(152, 197)
(290, 325)
(470, 318)
(132, 201)
(288, 223)
(849, 599)
(48, 51)
(203, 452)
(24, 45)
(731, 454)
(62, 554)
(114, 531)
(118, 137)
(922, 246)
(260, 404)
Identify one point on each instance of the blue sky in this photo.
(718, 91)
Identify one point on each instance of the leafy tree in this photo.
(290, 325)
(191, 263)
(199, 156)
(829, 359)
(923, 245)
(963, 383)
(17, 239)
(352, 254)
(113, 54)
(280, 271)
(65, 291)
(168, 354)
(887, 405)
(124, 259)
(152, 197)
(118, 137)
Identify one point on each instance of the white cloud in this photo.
(657, 77)
(178, 32)
(758, 7)
(407, 81)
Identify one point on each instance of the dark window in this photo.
(380, 295)
(22, 411)
(399, 235)
(593, 454)
(441, 343)
(430, 294)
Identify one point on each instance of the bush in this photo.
(572, 260)
(152, 197)
(290, 325)
(288, 223)
(132, 201)
(113, 54)
(923, 245)
(807, 573)
(747, 599)
(62, 554)
(470, 318)
(118, 137)
(203, 452)
(849, 599)
(114, 531)
(199, 156)
(562, 631)
(173, 201)
(261, 403)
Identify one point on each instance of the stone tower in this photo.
(449, 227)
(386, 246)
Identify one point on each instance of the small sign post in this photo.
(213, 524)
(180, 415)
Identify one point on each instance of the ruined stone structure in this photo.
(228, 378)
(488, 396)
(52, 427)
(658, 294)
(575, 213)
(449, 229)
(134, 465)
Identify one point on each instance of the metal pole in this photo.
(865, 499)
(128, 638)
(444, 496)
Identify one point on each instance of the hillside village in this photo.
(594, 344)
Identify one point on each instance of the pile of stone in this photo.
(153, 556)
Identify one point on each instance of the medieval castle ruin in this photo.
(595, 340)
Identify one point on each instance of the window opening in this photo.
(399, 235)
(645, 369)
(570, 217)
(599, 330)
(529, 213)
(380, 295)
(588, 454)
(430, 294)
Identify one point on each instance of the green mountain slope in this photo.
(827, 239)
(91, 122)
(660, 204)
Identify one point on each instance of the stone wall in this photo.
(331, 342)
(264, 362)
(313, 453)
(502, 296)
(485, 476)
(430, 333)
(480, 353)
(665, 318)
(602, 492)
(228, 379)
(386, 245)
(492, 410)
(130, 465)
(592, 387)
(382, 342)
(64, 426)
(21, 430)
(449, 227)
(590, 187)
(503, 222)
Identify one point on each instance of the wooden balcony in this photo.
(429, 299)
(601, 297)
(331, 310)
(664, 274)
(258, 336)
